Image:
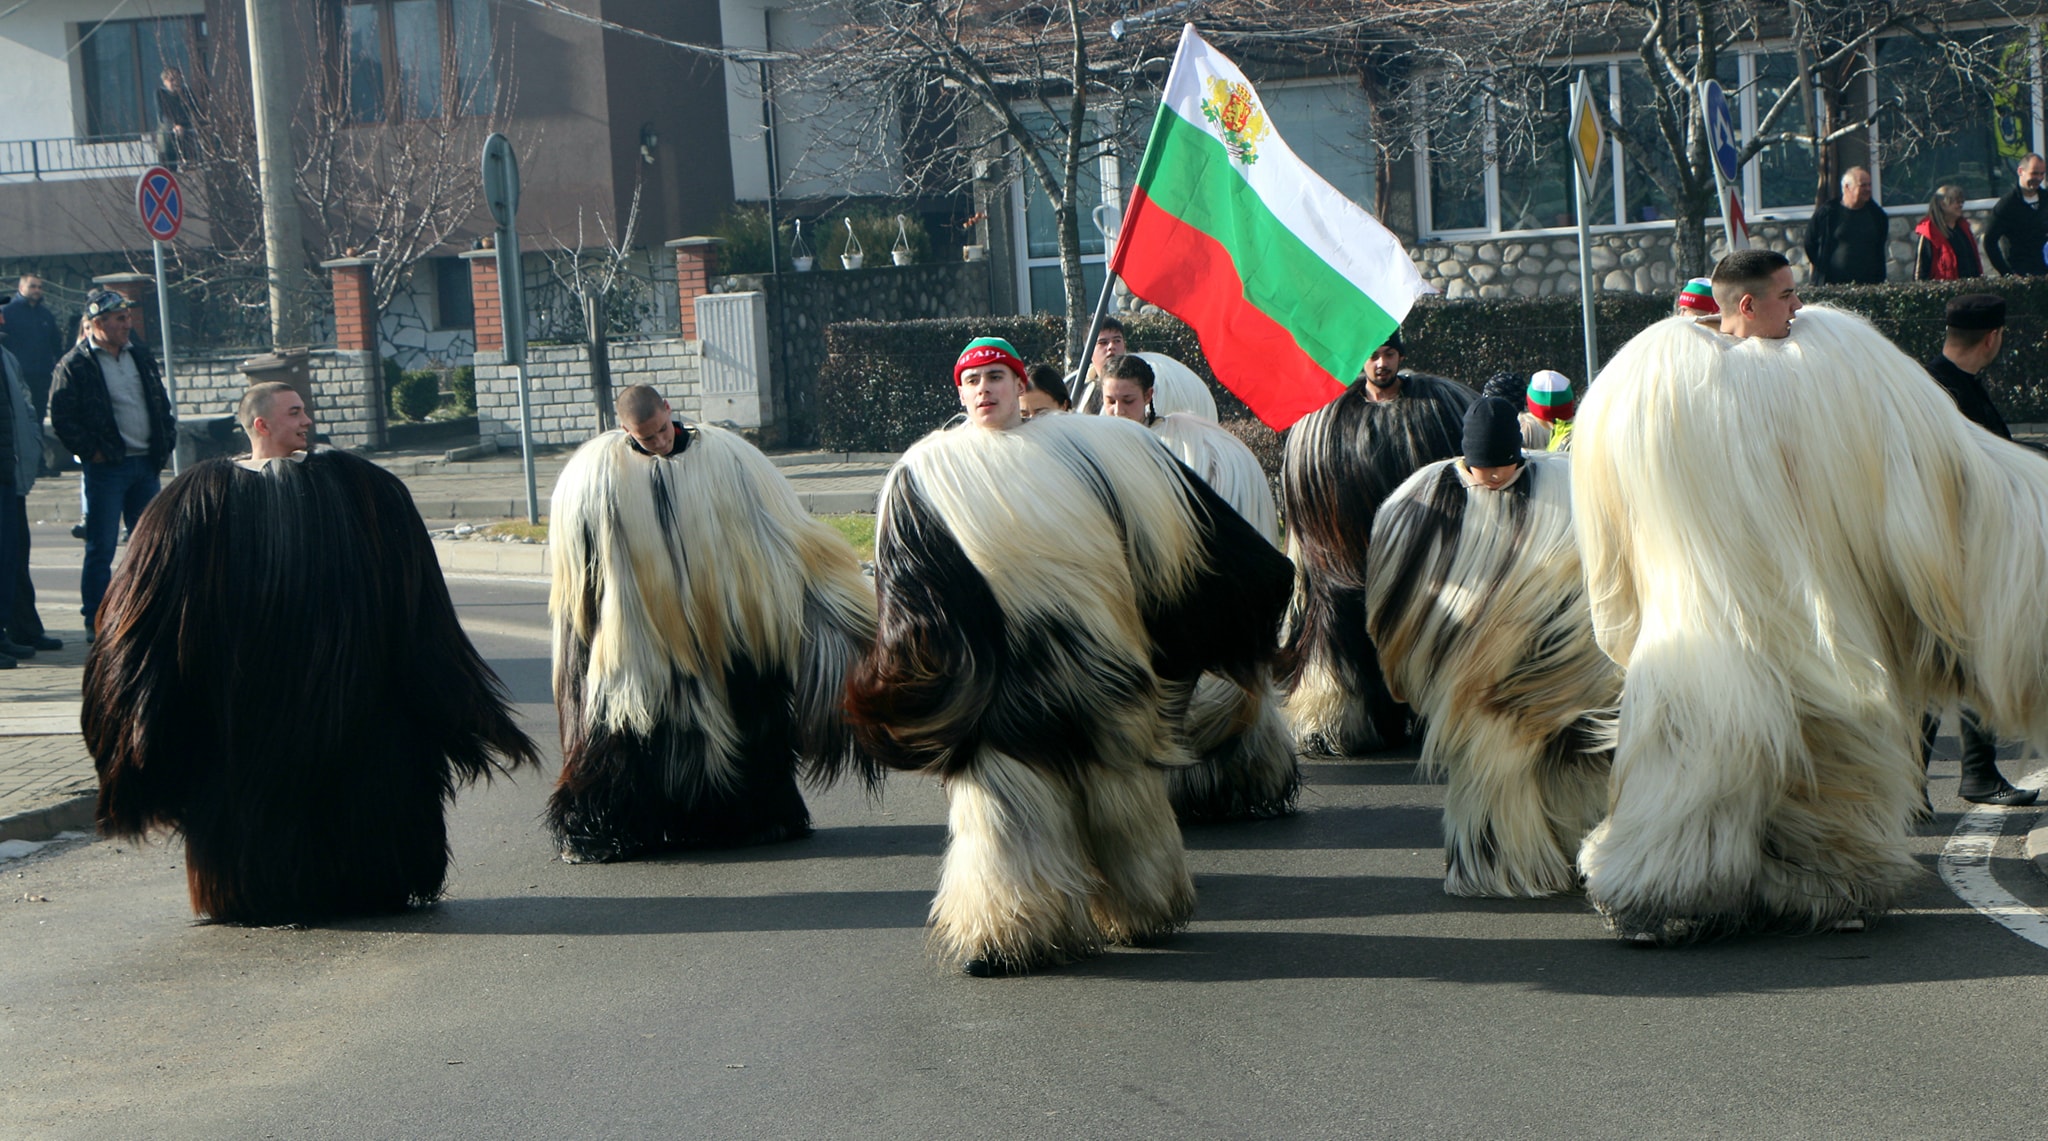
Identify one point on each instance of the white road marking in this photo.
(1966, 869)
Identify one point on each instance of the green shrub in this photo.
(884, 384)
(416, 394)
(462, 382)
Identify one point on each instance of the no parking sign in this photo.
(160, 202)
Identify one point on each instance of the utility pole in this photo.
(270, 78)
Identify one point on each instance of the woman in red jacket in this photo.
(1948, 251)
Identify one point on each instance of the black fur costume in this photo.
(280, 676)
(1342, 462)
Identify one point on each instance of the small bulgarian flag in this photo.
(1289, 285)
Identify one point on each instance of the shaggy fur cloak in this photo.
(1245, 764)
(1476, 603)
(280, 677)
(1770, 530)
(1041, 591)
(1342, 462)
(704, 623)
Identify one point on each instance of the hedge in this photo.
(884, 384)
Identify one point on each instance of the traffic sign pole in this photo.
(162, 206)
(501, 194)
(1589, 143)
(163, 337)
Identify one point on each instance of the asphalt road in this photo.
(1328, 988)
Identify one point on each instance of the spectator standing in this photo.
(1948, 250)
(21, 437)
(35, 338)
(2018, 226)
(175, 136)
(108, 405)
(1845, 241)
(1976, 333)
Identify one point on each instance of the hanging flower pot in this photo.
(901, 253)
(799, 251)
(854, 254)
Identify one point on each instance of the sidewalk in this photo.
(46, 777)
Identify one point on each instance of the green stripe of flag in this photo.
(1189, 174)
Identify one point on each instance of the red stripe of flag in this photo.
(1190, 275)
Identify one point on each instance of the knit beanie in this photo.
(1493, 433)
(988, 350)
(1698, 297)
(1550, 396)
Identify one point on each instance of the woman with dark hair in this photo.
(1948, 251)
(1045, 391)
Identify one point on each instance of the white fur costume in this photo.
(703, 626)
(1039, 589)
(1475, 601)
(1769, 529)
(1245, 760)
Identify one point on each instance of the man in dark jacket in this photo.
(35, 337)
(2019, 224)
(21, 454)
(1845, 242)
(108, 405)
(1976, 333)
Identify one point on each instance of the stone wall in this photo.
(800, 305)
(558, 380)
(1631, 261)
(347, 391)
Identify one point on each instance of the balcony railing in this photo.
(36, 160)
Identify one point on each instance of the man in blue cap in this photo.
(109, 407)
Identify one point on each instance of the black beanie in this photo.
(1493, 434)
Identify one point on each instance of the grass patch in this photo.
(517, 529)
(859, 530)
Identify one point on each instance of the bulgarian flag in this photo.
(1289, 285)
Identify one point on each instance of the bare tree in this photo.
(1514, 55)
(944, 92)
(394, 182)
(590, 272)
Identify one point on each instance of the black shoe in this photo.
(45, 642)
(16, 649)
(2008, 796)
(6, 663)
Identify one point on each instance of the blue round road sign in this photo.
(1721, 138)
(160, 203)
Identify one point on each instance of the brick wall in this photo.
(558, 378)
(211, 385)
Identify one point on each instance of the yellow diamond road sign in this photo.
(1589, 137)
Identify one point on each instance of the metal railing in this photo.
(39, 159)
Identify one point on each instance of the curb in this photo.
(525, 560)
(74, 815)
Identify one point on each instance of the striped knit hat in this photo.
(1698, 297)
(1550, 396)
(988, 350)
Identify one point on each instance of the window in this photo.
(122, 61)
(1982, 134)
(1479, 182)
(416, 59)
(1044, 292)
(454, 305)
